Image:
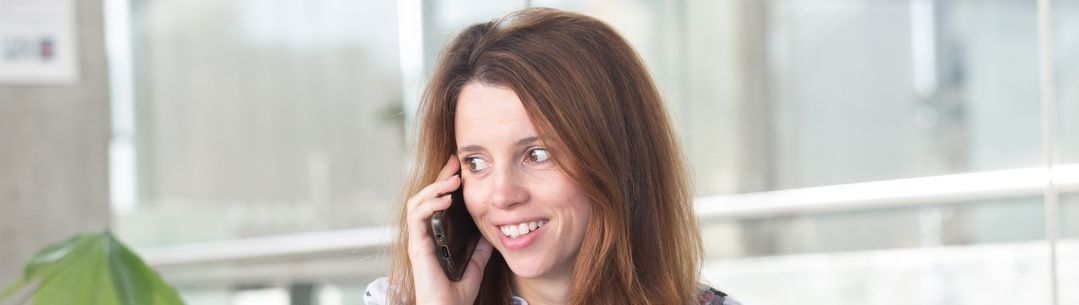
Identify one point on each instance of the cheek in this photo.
(583, 210)
(578, 204)
(473, 202)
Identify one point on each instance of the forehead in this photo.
(490, 112)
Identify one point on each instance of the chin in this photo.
(528, 267)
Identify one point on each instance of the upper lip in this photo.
(517, 221)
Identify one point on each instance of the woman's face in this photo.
(521, 201)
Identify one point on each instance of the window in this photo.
(841, 149)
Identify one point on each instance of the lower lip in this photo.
(521, 242)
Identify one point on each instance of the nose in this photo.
(507, 189)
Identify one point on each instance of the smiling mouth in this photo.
(521, 229)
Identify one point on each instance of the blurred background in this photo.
(844, 151)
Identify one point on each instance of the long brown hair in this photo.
(594, 103)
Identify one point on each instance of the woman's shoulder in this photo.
(377, 292)
(713, 296)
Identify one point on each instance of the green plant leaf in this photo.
(12, 289)
(92, 269)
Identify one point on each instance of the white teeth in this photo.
(513, 231)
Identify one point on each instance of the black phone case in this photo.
(455, 236)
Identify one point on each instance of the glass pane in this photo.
(796, 93)
(1066, 43)
(1065, 32)
(260, 118)
(880, 90)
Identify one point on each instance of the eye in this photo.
(538, 155)
(475, 164)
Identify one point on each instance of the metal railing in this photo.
(858, 196)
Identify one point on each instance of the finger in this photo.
(419, 217)
(448, 171)
(478, 262)
(419, 224)
(451, 167)
(422, 213)
(436, 189)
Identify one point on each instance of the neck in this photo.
(545, 290)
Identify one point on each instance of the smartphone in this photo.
(455, 236)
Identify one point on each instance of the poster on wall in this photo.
(37, 42)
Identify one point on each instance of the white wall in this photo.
(54, 152)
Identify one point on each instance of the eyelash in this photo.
(468, 164)
(528, 155)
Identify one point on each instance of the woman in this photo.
(570, 169)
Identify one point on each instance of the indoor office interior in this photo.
(842, 151)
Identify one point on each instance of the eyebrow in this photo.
(475, 148)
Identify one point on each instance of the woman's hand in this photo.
(430, 283)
